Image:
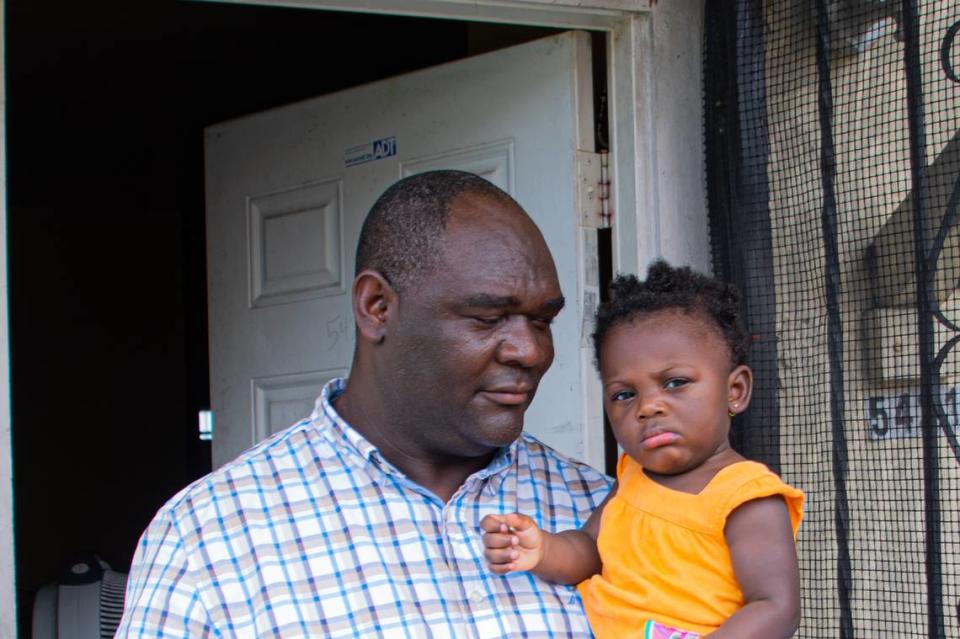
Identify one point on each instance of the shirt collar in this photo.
(325, 412)
(501, 462)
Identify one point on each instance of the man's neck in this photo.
(441, 474)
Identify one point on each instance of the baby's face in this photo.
(668, 385)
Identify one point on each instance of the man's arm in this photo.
(161, 598)
(514, 542)
(764, 556)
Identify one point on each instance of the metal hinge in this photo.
(593, 189)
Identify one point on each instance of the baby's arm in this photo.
(764, 556)
(514, 542)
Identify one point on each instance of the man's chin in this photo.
(493, 426)
(498, 435)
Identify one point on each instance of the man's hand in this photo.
(512, 542)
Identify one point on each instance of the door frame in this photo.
(656, 172)
(628, 25)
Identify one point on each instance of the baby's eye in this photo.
(675, 383)
(620, 396)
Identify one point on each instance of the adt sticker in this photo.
(376, 150)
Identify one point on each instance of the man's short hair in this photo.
(401, 236)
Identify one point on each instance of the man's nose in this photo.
(524, 344)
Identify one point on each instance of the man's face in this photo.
(473, 339)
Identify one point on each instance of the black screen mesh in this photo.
(832, 133)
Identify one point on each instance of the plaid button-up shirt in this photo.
(312, 533)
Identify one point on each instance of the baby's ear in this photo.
(739, 389)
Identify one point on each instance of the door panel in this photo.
(296, 245)
(282, 400)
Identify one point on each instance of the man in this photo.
(363, 520)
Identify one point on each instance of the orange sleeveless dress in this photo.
(664, 554)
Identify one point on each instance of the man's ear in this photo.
(374, 303)
(739, 389)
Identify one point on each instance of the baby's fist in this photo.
(511, 542)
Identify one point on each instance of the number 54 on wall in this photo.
(898, 416)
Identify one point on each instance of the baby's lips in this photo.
(660, 439)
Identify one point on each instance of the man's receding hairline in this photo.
(510, 205)
(408, 228)
(509, 208)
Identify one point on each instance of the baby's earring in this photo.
(730, 413)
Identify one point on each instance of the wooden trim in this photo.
(632, 175)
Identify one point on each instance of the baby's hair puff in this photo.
(680, 288)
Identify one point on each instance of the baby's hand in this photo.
(512, 542)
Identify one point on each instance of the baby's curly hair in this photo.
(681, 288)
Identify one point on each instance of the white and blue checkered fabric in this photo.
(312, 533)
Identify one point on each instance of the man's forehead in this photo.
(491, 251)
(487, 272)
(482, 224)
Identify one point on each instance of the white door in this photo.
(287, 191)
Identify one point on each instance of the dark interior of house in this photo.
(106, 105)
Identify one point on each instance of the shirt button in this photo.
(476, 596)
